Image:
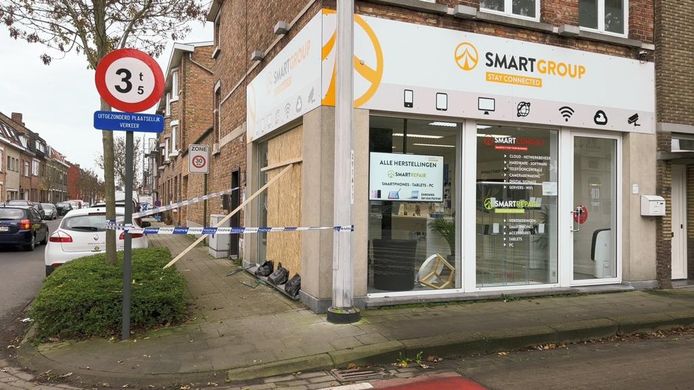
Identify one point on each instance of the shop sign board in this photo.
(198, 159)
(406, 177)
(412, 68)
(289, 86)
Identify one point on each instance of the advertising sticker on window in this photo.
(406, 178)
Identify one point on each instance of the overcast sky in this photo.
(58, 101)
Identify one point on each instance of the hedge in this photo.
(83, 298)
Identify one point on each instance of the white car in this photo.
(82, 233)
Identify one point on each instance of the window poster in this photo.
(406, 177)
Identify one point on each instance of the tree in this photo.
(94, 28)
(91, 188)
(119, 160)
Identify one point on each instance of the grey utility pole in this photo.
(127, 251)
(342, 309)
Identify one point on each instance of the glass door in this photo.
(593, 213)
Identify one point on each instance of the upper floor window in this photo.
(167, 109)
(609, 16)
(526, 9)
(217, 106)
(216, 35)
(35, 167)
(40, 146)
(174, 85)
(26, 168)
(174, 138)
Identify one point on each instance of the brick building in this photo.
(498, 145)
(73, 181)
(11, 150)
(675, 132)
(186, 107)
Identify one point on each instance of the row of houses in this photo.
(33, 170)
(497, 145)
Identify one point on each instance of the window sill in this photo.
(514, 21)
(215, 52)
(612, 38)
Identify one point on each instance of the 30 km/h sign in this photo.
(198, 159)
(129, 80)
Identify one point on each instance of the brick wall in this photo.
(73, 182)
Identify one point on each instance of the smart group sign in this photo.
(412, 68)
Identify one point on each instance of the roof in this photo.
(179, 49)
(9, 135)
(214, 10)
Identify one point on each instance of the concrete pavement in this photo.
(242, 331)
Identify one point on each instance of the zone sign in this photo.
(129, 80)
(198, 159)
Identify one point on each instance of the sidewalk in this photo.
(242, 331)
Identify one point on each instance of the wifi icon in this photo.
(566, 112)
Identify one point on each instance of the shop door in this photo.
(679, 222)
(593, 212)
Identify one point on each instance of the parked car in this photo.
(22, 202)
(63, 208)
(49, 210)
(22, 226)
(76, 203)
(83, 233)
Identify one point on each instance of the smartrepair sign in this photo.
(405, 177)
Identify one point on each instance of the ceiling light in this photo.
(443, 124)
(427, 136)
(436, 145)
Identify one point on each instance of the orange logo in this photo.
(466, 56)
(371, 73)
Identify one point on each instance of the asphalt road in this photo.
(20, 280)
(661, 362)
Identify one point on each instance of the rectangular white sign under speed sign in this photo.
(198, 159)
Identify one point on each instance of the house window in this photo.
(167, 111)
(26, 168)
(167, 143)
(216, 35)
(1, 160)
(217, 107)
(174, 85)
(608, 16)
(527, 9)
(174, 139)
(35, 167)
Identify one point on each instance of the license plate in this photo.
(4, 228)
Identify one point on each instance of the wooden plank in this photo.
(241, 206)
(280, 165)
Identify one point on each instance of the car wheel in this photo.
(30, 246)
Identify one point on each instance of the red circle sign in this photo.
(129, 80)
(199, 161)
(581, 214)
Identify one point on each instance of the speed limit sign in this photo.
(129, 80)
(198, 159)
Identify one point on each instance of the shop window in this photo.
(413, 180)
(527, 9)
(609, 16)
(516, 206)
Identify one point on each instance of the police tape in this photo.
(187, 202)
(222, 230)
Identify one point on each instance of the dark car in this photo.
(23, 226)
(22, 202)
(49, 211)
(63, 208)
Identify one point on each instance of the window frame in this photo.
(216, 111)
(601, 20)
(173, 150)
(35, 167)
(216, 35)
(508, 11)
(174, 85)
(27, 169)
(167, 107)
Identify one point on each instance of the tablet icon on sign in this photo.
(600, 118)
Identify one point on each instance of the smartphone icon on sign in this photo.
(409, 98)
(441, 101)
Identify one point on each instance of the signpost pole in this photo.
(204, 204)
(342, 309)
(127, 252)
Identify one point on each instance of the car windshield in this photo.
(18, 202)
(6, 213)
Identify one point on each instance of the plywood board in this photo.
(284, 200)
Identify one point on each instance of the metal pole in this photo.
(204, 203)
(127, 252)
(343, 310)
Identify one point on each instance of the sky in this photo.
(58, 101)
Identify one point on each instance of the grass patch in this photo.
(83, 298)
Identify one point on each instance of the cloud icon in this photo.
(600, 118)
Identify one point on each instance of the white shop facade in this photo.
(482, 165)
